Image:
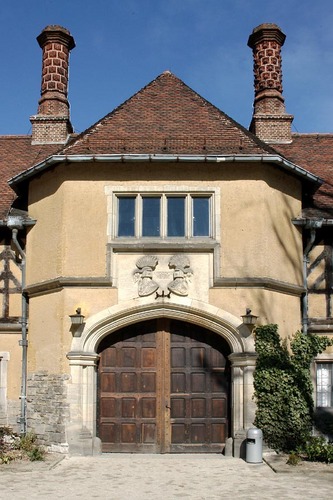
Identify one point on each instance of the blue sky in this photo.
(121, 45)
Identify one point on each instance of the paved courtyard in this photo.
(136, 477)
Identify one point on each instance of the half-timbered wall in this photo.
(320, 284)
(10, 284)
(10, 332)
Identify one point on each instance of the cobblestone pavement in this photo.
(167, 477)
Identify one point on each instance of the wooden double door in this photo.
(163, 387)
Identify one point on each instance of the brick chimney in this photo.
(52, 122)
(270, 122)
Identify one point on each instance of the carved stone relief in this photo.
(144, 275)
(149, 281)
(181, 275)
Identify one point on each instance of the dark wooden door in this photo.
(198, 390)
(128, 391)
(163, 387)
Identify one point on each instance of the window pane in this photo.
(151, 216)
(324, 384)
(176, 216)
(201, 216)
(126, 216)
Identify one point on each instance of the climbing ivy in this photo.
(283, 387)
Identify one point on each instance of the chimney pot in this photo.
(56, 34)
(264, 33)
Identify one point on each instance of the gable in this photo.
(165, 121)
(166, 116)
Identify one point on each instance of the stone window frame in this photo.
(113, 192)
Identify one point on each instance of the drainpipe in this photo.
(15, 225)
(313, 225)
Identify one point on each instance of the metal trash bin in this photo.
(254, 446)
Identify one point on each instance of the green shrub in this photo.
(16, 447)
(28, 444)
(7, 441)
(5, 459)
(317, 449)
(37, 453)
(5, 432)
(283, 387)
(293, 459)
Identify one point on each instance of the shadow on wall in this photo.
(323, 420)
(280, 243)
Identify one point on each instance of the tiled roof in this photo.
(16, 155)
(167, 116)
(314, 152)
(164, 117)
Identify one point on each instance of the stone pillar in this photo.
(52, 122)
(243, 406)
(81, 430)
(270, 122)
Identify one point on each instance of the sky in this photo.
(122, 45)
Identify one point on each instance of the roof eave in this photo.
(54, 159)
(304, 221)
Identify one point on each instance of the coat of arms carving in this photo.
(178, 273)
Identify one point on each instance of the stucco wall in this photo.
(270, 306)
(71, 236)
(50, 334)
(73, 262)
(258, 238)
(9, 342)
(319, 294)
(257, 205)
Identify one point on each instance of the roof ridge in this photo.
(298, 135)
(16, 136)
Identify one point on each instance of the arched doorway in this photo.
(163, 386)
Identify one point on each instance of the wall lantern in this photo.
(248, 318)
(78, 318)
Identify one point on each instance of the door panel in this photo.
(127, 391)
(199, 387)
(163, 387)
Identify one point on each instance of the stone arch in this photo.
(83, 359)
(112, 319)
